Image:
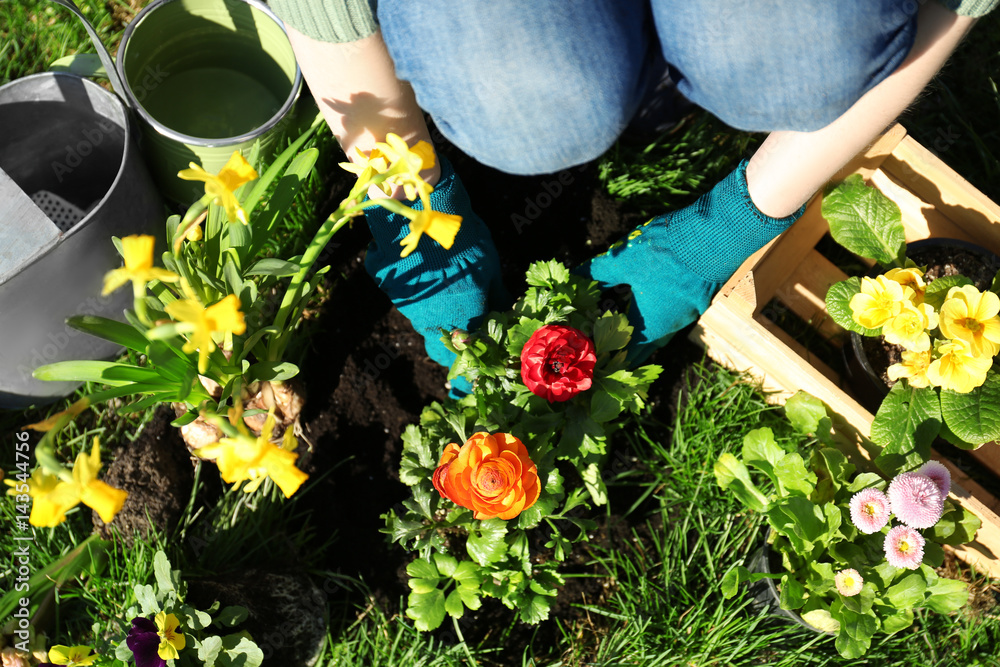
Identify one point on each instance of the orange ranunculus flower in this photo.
(491, 475)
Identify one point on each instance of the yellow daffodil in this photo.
(72, 656)
(910, 277)
(200, 323)
(971, 315)
(50, 423)
(221, 186)
(248, 458)
(442, 227)
(879, 300)
(51, 498)
(956, 368)
(137, 252)
(367, 165)
(909, 328)
(172, 642)
(406, 163)
(106, 500)
(913, 368)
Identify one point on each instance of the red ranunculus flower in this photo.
(557, 362)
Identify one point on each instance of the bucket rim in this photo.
(217, 142)
(127, 140)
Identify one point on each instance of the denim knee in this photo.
(785, 64)
(524, 86)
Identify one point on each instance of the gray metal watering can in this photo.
(71, 177)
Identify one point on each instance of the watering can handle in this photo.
(102, 52)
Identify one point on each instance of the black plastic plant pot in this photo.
(766, 596)
(865, 381)
(70, 178)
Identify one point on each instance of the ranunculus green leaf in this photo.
(908, 592)
(470, 597)
(468, 575)
(604, 407)
(974, 417)
(865, 221)
(445, 564)
(905, 426)
(422, 569)
(486, 544)
(793, 476)
(838, 305)
(453, 604)
(732, 475)
(423, 585)
(762, 452)
(947, 595)
(552, 494)
(534, 608)
(426, 609)
(611, 332)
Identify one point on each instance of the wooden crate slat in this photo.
(805, 293)
(920, 219)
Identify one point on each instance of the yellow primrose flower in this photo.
(172, 642)
(222, 317)
(137, 252)
(911, 277)
(247, 458)
(879, 300)
(221, 186)
(956, 368)
(72, 656)
(913, 368)
(909, 328)
(442, 227)
(971, 315)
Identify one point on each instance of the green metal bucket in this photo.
(207, 78)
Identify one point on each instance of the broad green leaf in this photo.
(851, 648)
(805, 412)
(209, 649)
(908, 592)
(274, 371)
(486, 541)
(798, 516)
(445, 564)
(453, 604)
(866, 479)
(793, 593)
(232, 616)
(195, 619)
(947, 595)
(865, 221)
(547, 502)
(162, 572)
(147, 599)
(837, 465)
(862, 602)
(793, 476)
(762, 452)
(240, 651)
(427, 610)
(967, 525)
(534, 608)
(822, 620)
(974, 417)
(732, 475)
(905, 426)
(859, 626)
(111, 330)
(470, 597)
(468, 575)
(937, 290)
(611, 332)
(838, 305)
(901, 620)
(733, 578)
(594, 483)
(423, 585)
(604, 407)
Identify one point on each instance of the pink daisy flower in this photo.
(870, 510)
(939, 475)
(916, 500)
(904, 547)
(848, 582)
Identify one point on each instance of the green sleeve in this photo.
(973, 8)
(335, 21)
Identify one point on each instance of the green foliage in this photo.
(806, 504)
(565, 440)
(865, 221)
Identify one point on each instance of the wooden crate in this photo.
(935, 202)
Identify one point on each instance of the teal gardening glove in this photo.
(676, 262)
(438, 290)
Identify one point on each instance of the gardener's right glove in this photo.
(676, 262)
(438, 290)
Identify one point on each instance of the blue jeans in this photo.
(535, 86)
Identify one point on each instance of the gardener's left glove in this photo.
(438, 290)
(676, 262)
